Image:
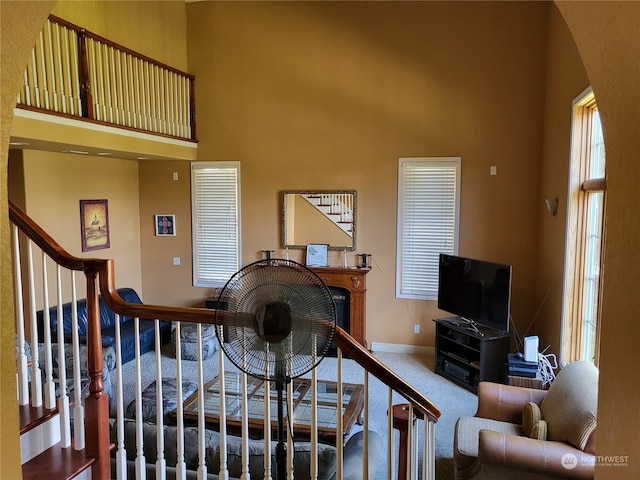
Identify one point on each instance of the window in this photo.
(428, 206)
(215, 206)
(585, 234)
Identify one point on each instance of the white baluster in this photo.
(245, 475)
(141, 471)
(181, 466)
(161, 462)
(63, 400)
(266, 387)
(78, 407)
(52, 65)
(121, 451)
(365, 432)
(314, 411)
(202, 465)
(43, 70)
(22, 375)
(410, 444)
(339, 419)
(36, 379)
(391, 461)
(290, 450)
(60, 69)
(429, 452)
(49, 386)
(223, 474)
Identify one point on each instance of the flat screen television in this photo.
(475, 290)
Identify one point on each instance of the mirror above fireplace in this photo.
(319, 216)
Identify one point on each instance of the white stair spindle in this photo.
(36, 378)
(202, 465)
(49, 385)
(365, 433)
(245, 475)
(223, 474)
(314, 411)
(121, 452)
(78, 407)
(63, 400)
(140, 465)
(339, 419)
(429, 453)
(391, 461)
(21, 359)
(181, 465)
(161, 461)
(266, 388)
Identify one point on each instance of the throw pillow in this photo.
(571, 404)
(530, 416)
(539, 430)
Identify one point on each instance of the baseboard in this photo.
(399, 348)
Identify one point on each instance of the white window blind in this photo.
(428, 205)
(215, 192)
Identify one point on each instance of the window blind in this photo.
(428, 204)
(216, 222)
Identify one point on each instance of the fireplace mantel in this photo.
(353, 280)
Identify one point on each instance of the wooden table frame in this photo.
(352, 404)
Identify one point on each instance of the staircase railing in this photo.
(74, 72)
(97, 425)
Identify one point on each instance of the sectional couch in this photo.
(107, 326)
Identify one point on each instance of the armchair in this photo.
(495, 443)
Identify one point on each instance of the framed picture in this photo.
(165, 225)
(94, 224)
(317, 254)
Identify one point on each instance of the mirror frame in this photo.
(283, 220)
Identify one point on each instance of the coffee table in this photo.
(352, 401)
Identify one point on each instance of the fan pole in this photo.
(281, 453)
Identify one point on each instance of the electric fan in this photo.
(279, 323)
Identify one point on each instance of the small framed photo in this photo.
(165, 225)
(317, 254)
(94, 224)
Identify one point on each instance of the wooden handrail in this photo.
(100, 275)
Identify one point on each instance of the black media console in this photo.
(469, 354)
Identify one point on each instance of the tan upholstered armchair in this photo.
(522, 433)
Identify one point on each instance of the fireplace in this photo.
(352, 281)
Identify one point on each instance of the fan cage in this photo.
(313, 319)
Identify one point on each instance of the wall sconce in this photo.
(552, 206)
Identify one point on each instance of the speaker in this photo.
(531, 349)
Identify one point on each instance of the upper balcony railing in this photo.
(73, 72)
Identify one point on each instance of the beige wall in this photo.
(329, 95)
(160, 34)
(566, 79)
(54, 184)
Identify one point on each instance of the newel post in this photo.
(97, 403)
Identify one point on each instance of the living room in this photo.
(352, 109)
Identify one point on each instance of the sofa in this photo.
(523, 433)
(107, 326)
(327, 454)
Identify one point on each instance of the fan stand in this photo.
(281, 450)
(286, 300)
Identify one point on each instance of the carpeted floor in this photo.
(453, 401)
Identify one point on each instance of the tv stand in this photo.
(468, 353)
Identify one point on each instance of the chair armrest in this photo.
(505, 402)
(536, 456)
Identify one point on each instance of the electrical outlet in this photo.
(493, 170)
(176, 260)
(416, 328)
(175, 175)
